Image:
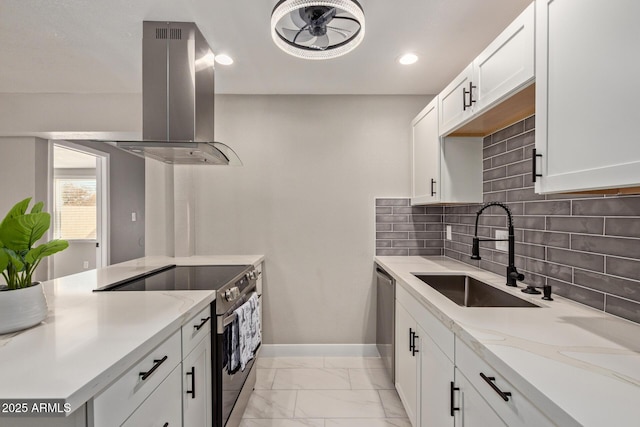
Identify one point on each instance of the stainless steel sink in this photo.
(469, 292)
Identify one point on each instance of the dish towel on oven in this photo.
(245, 333)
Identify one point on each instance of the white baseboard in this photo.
(319, 350)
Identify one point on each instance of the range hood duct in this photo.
(178, 98)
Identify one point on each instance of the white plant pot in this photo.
(22, 308)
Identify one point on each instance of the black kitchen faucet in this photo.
(512, 272)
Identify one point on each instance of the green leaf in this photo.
(44, 250)
(14, 259)
(4, 260)
(18, 210)
(20, 233)
(37, 208)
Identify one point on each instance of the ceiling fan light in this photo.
(285, 7)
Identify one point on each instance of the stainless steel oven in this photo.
(233, 284)
(232, 388)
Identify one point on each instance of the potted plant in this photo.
(22, 301)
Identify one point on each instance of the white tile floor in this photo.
(323, 392)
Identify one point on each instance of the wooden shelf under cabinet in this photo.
(517, 107)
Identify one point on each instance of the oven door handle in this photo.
(224, 322)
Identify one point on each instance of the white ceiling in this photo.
(87, 46)
(64, 158)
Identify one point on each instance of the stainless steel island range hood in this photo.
(178, 98)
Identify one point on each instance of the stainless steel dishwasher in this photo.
(385, 319)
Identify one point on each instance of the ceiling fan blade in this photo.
(298, 36)
(327, 16)
(341, 31)
(321, 43)
(296, 17)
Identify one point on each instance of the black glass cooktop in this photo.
(182, 278)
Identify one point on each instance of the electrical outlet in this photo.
(85, 264)
(133, 217)
(502, 246)
(449, 232)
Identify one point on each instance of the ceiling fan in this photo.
(316, 29)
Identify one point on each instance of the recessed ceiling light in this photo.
(408, 59)
(224, 59)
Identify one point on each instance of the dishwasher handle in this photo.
(384, 276)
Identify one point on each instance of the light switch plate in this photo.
(449, 237)
(502, 246)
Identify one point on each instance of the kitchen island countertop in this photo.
(90, 338)
(578, 365)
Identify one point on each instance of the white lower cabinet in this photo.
(169, 387)
(498, 390)
(442, 382)
(424, 363)
(437, 371)
(162, 408)
(472, 409)
(406, 362)
(196, 385)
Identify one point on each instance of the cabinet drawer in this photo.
(517, 410)
(162, 408)
(195, 329)
(438, 332)
(116, 403)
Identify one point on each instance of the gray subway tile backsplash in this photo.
(586, 246)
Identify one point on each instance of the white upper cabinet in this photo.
(586, 95)
(425, 156)
(456, 102)
(444, 170)
(507, 64)
(505, 67)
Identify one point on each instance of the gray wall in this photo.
(312, 167)
(587, 247)
(24, 173)
(126, 195)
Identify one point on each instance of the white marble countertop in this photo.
(91, 338)
(578, 365)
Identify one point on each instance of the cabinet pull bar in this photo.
(192, 392)
(202, 323)
(411, 339)
(471, 88)
(464, 97)
(491, 381)
(415, 350)
(534, 165)
(156, 365)
(453, 389)
(433, 183)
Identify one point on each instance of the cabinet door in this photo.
(425, 156)
(454, 102)
(162, 408)
(406, 363)
(436, 376)
(587, 95)
(507, 64)
(196, 385)
(474, 411)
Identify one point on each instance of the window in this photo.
(75, 209)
